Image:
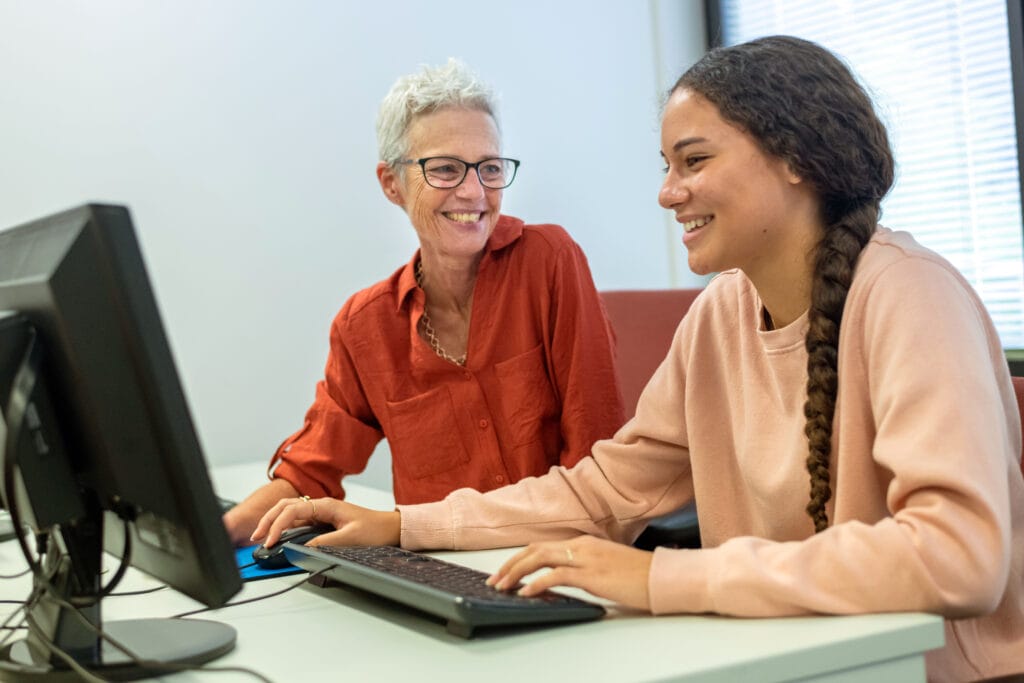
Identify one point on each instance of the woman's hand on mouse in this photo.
(353, 525)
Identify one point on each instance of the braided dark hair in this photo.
(802, 104)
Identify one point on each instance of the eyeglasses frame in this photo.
(475, 166)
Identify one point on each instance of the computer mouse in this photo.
(274, 558)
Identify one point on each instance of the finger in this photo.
(264, 522)
(535, 557)
(559, 576)
(280, 517)
(311, 509)
(495, 578)
(515, 568)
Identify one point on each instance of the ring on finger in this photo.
(568, 555)
(312, 503)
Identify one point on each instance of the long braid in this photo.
(802, 104)
(835, 260)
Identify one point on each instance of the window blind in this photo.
(939, 72)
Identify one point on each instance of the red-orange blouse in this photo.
(538, 388)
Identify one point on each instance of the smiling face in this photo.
(739, 207)
(456, 222)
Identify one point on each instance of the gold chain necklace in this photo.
(428, 329)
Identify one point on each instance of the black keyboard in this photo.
(450, 591)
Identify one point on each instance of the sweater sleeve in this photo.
(642, 472)
(921, 345)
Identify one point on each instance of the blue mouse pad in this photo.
(251, 572)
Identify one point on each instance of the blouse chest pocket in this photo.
(423, 434)
(529, 399)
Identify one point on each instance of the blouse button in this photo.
(500, 479)
(467, 375)
(483, 424)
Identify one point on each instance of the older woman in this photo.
(485, 359)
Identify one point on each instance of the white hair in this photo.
(433, 88)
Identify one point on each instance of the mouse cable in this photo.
(256, 599)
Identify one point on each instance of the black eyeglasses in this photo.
(444, 173)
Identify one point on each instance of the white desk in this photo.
(349, 636)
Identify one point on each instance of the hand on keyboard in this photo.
(601, 567)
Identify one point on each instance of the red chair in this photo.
(1018, 388)
(644, 322)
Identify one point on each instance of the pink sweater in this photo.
(927, 512)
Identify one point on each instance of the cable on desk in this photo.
(142, 591)
(17, 627)
(16, 576)
(33, 597)
(292, 587)
(43, 585)
(28, 623)
(136, 659)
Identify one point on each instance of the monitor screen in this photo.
(99, 449)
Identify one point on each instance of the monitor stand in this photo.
(163, 646)
(157, 646)
(63, 608)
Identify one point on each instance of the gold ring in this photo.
(312, 503)
(568, 554)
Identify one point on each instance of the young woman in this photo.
(837, 401)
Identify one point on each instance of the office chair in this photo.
(1018, 388)
(644, 322)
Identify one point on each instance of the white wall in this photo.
(240, 134)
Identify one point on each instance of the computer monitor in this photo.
(99, 451)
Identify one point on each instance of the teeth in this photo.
(464, 217)
(690, 226)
